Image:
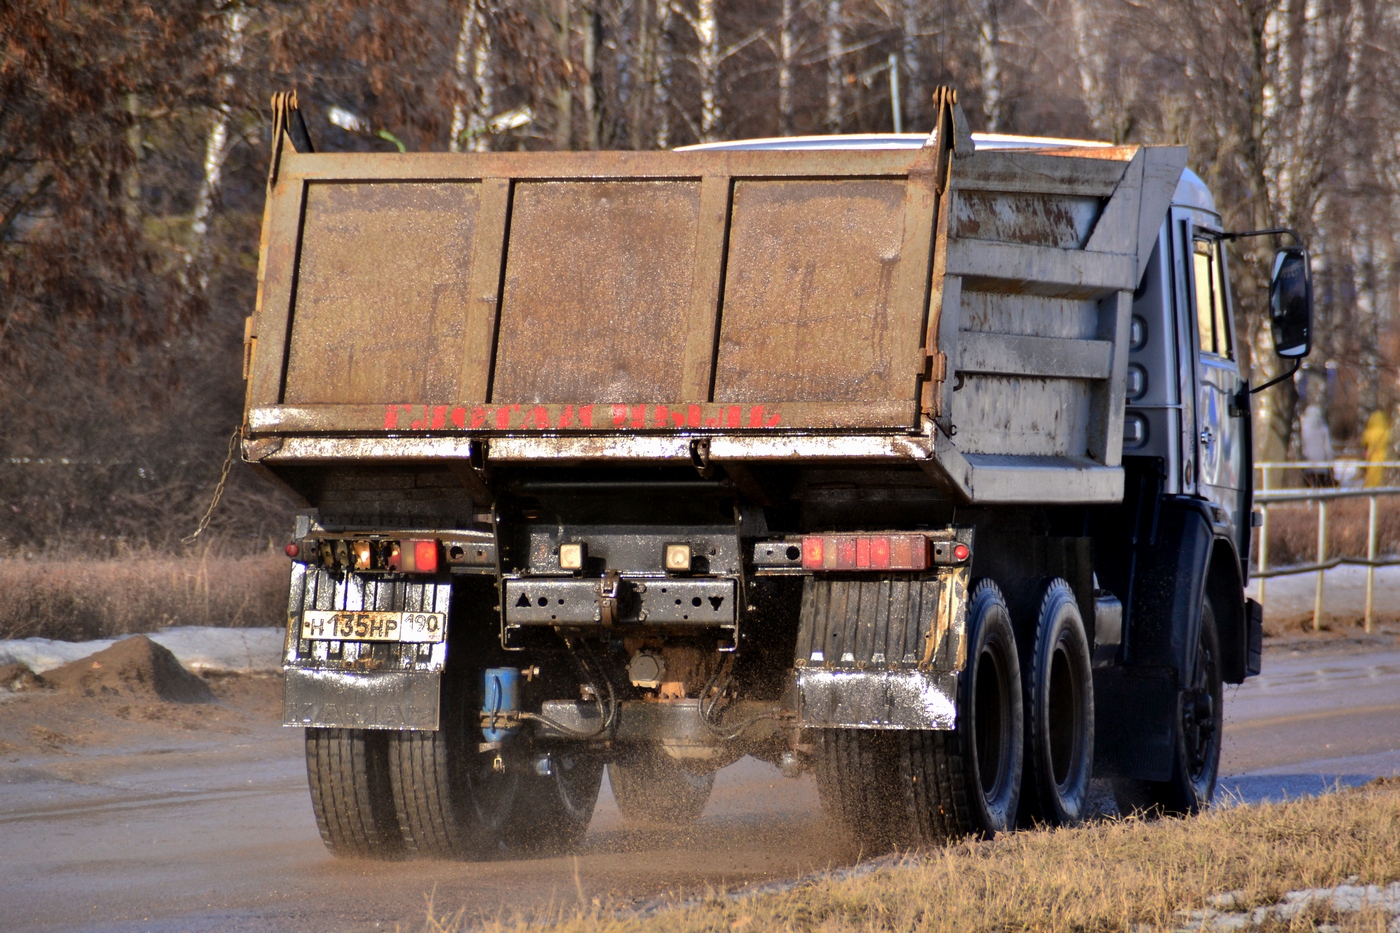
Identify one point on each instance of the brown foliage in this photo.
(128, 245)
(77, 600)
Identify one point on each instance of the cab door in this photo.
(1221, 432)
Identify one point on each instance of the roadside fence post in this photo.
(1370, 564)
(1321, 559)
(1263, 539)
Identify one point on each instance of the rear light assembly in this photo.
(359, 555)
(413, 556)
(880, 552)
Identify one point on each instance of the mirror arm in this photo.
(1297, 362)
(1272, 231)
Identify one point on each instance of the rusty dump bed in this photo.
(965, 311)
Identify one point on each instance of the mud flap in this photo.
(882, 652)
(1254, 618)
(362, 700)
(360, 683)
(877, 699)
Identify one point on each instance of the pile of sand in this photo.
(18, 676)
(134, 667)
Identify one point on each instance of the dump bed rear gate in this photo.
(839, 303)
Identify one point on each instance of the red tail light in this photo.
(425, 555)
(865, 552)
(413, 556)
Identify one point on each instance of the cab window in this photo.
(1212, 309)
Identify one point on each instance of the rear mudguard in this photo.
(362, 684)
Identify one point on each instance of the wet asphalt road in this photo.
(215, 833)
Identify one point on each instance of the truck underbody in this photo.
(814, 456)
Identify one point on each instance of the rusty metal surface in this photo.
(381, 294)
(808, 314)
(598, 282)
(1037, 220)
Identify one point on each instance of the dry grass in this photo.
(1109, 876)
(1293, 530)
(78, 600)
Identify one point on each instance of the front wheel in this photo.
(1199, 724)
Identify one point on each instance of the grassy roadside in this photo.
(1116, 875)
(78, 600)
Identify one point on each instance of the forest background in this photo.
(134, 143)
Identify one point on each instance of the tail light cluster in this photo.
(418, 555)
(879, 552)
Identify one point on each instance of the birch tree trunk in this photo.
(564, 92)
(472, 74)
(662, 95)
(484, 76)
(707, 32)
(592, 38)
(215, 151)
(915, 105)
(642, 75)
(835, 52)
(787, 49)
(989, 58)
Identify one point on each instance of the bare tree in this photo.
(835, 66)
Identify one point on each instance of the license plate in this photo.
(326, 625)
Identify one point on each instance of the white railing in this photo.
(1347, 471)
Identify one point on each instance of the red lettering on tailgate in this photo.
(585, 415)
(439, 417)
(391, 417)
(694, 416)
(619, 413)
(661, 416)
(459, 417)
(566, 420)
(639, 416)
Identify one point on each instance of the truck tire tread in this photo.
(347, 770)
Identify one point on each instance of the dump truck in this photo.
(918, 463)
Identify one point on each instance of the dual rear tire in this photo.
(1021, 752)
(912, 787)
(386, 794)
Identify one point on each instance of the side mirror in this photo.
(1291, 303)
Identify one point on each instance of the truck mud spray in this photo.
(920, 464)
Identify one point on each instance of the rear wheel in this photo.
(1059, 707)
(652, 787)
(452, 800)
(1196, 761)
(348, 770)
(921, 786)
(554, 809)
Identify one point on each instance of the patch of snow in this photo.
(1221, 915)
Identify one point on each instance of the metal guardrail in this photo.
(1264, 497)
